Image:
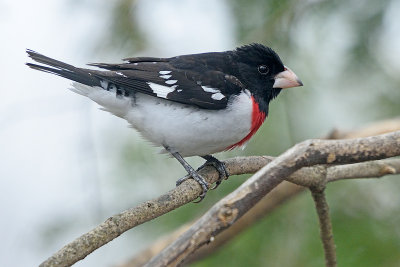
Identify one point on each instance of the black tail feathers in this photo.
(62, 69)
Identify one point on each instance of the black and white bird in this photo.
(191, 105)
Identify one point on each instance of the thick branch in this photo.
(116, 225)
(279, 195)
(128, 219)
(119, 223)
(233, 206)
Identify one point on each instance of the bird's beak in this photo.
(286, 79)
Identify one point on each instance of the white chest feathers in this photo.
(185, 129)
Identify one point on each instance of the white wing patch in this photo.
(210, 90)
(161, 90)
(217, 96)
(166, 77)
(216, 93)
(163, 72)
(170, 81)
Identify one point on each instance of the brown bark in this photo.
(183, 194)
(232, 207)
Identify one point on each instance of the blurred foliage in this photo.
(123, 33)
(272, 21)
(352, 81)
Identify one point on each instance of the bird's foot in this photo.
(181, 180)
(219, 165)
(198, 178)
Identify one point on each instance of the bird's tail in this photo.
(84, 76)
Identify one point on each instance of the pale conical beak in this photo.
(287, 79)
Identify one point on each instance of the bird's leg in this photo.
(197, 177)
(220, 166)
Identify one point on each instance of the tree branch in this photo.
(279, 195)
(119, 223)
(116, 225)
(233, 206)
(325, 225)
(371, 169)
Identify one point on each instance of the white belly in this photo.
(185, 129)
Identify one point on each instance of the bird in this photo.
(189, 105)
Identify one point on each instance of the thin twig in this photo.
(370, 169)
(325, 225)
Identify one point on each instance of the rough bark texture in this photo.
(307, 153)
(232, 207)
(120, 223)
(281, 194)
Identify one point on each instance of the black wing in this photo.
(199, 80)
(186, 79)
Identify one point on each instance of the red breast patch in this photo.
(257, 119)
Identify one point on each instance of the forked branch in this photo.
(281, 194)
(232, 207)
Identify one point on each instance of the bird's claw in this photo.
(200, 180)
(210, 161)
(181, 180)
(219, 166)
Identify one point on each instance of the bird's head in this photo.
(262, 71)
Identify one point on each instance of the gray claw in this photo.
(199, 179)
(219, 166)
(181, 180)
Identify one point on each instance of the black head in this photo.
(261, 70)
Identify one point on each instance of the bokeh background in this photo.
(65, 166)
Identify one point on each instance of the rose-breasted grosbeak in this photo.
(192, 105)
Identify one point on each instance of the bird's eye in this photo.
(263, 69)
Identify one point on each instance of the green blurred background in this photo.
(347, 53)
